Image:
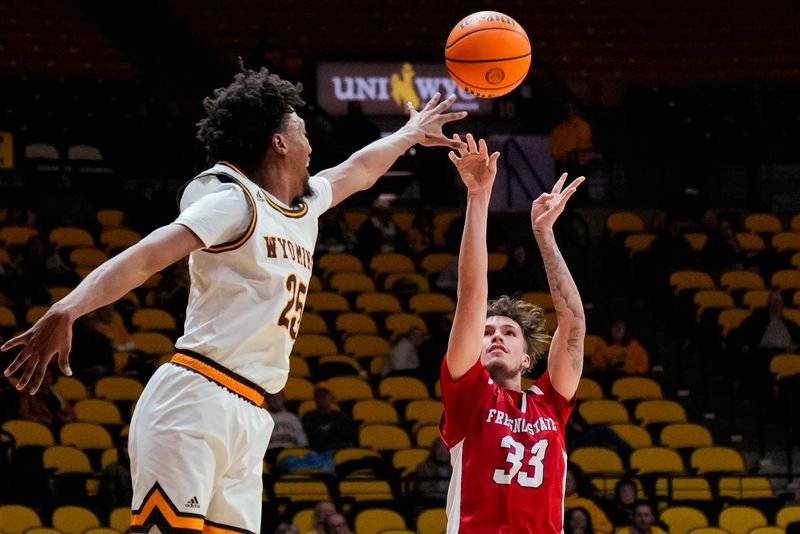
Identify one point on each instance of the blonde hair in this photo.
(530, 319)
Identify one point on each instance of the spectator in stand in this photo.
(577, 493)
(420, 236)
(432, 477)
(578, 521)
(621, 509)
(91, 355)
(286, 528)
(404, 355)
(47, 406)
(322, 512)
(328, 429)
(644, 520)
(288, 431)
(63, 205)
(333, 234)
(723, 251)
(377, 234)
(337, 524)
(670, 251)
(571, 143)
(33, 268)
(619, 354)
(520, 274)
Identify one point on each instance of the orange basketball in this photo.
(488, 54)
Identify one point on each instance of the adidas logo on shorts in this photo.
(192, 503)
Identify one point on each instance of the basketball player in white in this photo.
(249, 224)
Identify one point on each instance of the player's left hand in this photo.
(427, 123)
(546, 209)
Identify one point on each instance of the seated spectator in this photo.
(520, 274)
(323, 511)
(91, 356)
(328, 429)
(337, 524)
(432, 477)
(644, 520)
(420, 236)
(577, 493)
(619, 354)
(722, 251)
(404, 355)
(116, 486)
(447, 279)
(47, 406)
(333, 235)
(286, 528)
(620, 510)
(35, 267)
(288, 431)
(578, 521)
(582, 434)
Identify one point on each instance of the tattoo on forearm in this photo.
(562, 286)
(575, 348)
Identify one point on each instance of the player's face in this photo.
(299, 152)
(503, 347)
(643, 518)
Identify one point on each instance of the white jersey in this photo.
(250, 283)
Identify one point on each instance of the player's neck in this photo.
(513, 383)
(274, 180)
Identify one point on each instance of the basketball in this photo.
(488, 54)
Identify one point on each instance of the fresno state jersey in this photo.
(508, 453)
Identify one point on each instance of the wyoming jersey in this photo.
(249, 287)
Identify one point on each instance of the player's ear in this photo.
(278, 143)
(526, 361)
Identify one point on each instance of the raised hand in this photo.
(50, 337)
(428, 122)
(546, 209)
(474, 164)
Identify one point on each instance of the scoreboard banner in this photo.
(384, 88)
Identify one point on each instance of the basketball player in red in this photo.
(507, 445)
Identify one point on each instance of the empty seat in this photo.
(340, 262)
(16, 235)
(402, 388)
(118, 388)
(64, 459)
(760, 223)
(299, 488)
(682, 519)
(787, 514)
(432, 521)
(86, 436)
(425, 435)
(97, 411)
(717, 459)
(407, 460)
(690, 280)
(351, 283)
(634, 435)
(312, 323)
(431, 303)
(659, 411)
(636, 387)
(625, 222)
(375, 411)
(706, 299)
(433, 263)
(366, 345)
(28, 433)
(347, 388)
(603, 411)
(390, 262)
(741, 519)
(378, 303)
(597, 460)
(74, 519)
(694, 488)
(589, 388)
(377, 520)
(67, 236)
(746, 487)
(786, 279)
(383, 437)
(366, 489)
(400, 323)
(153, 343)
(355, 323)
(118, 238)
(16, 519)
(314, 345)
(153, 319)
(424, 411)
(685, 435)
(656, 460)
(326, 301)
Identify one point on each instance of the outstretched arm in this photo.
(361, 170)
(51, 336)
(477, 170)
(565, 362)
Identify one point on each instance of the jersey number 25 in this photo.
(515, 457)
(293, 311)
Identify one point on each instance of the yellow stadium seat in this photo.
(656, 460)
(767, 530)
(314, 345)
(783, 365)
(755, 298)
(683, 488)
(731, 318)
(424, 411)
(784, 241)
(383, 437)
(300, 488)
(118, 388)
(596, 460)
(340, 263)
(7, 318)
(795, 261)
(119, 238)
(639, 242)
(634, 435)
(706, 299)
(441, 223)
(16, 519)
(735, 280)
(603, 411)
(397, 388)
(391, 262)
(696, 241)
(745, 487)
(741, 519)
(626, 222)
(354, 219)
(787, 514)
(58, 293)
(400, 323)
(376, 520)
(690, 280)
(589, 388)
(63, 459)
(34, 313)
(44, 530)
(110, 218)
(349, 454)
(496, 261)
(792, 315)
(750, 242)
(326, 301)
(378, 303)
(70, 388)
(407, 460)
(87, 257)
(682, 519)
(298, 389)
(375, 411)
(365, 489)
(425, 435)
(635, 387)
(659, 411)
(153, 343)
(153, 319)
(16, 235)
(314, 284)
(716, 459)
(419, 281)
(435, 262)
(786, 279)
(74, 519)
(431, 303)
(109, 456)
(351, 283)
(101, 530)
(762, 223)
(312, 323)
(86, 436)
(355, 323)
(349, 388)
(543, 299)
(68, 236)
(29, 433)
(708, 530)
(685, 435)
(366, 345)
(304, 519)
(432, 521)
(97, 411)
(342, 362)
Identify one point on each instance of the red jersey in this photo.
(508, 453)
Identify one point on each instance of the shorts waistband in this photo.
(226, 378)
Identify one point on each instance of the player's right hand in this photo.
(475, 166)
(50, 337)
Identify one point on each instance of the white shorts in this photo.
(197, 449)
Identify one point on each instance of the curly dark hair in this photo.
(530, 319)
(243, 116)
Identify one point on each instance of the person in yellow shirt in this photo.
(572, 499)
(571, 142)
(620, 354)
(644, 520)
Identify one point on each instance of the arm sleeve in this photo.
(458, 398)
(216, 212)
(321, 200)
